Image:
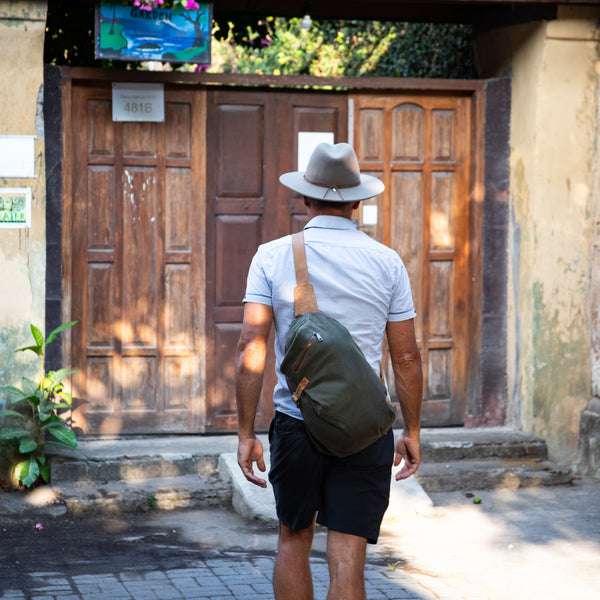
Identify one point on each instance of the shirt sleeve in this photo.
(401, 307)
(258, 288)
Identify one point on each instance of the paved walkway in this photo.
(235, 577)
(516, 544)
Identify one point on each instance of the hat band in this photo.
(332, 188)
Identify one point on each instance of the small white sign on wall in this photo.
(138, 102)
(369, 214)
(307, 142)
(17, 156)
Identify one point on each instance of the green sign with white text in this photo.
(15, 207)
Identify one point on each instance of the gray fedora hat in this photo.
(333, 174)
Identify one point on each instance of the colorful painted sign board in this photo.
(177, 35)
(15, 208)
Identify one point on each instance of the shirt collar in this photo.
(330, 222)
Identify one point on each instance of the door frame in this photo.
(482, 389)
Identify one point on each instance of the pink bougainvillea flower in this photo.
(39, 527)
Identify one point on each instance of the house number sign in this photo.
(138, 102)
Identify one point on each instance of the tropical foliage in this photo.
(354, 48)
(35, 414)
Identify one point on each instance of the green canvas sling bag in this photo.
(343, 401)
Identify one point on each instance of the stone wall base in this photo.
(588, 460)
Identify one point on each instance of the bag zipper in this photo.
(313, 337)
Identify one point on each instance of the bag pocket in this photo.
(313, 338)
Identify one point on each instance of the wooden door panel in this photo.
(178, 310)
(443, 133)
(441, 297)
(234, 235)
(139, 384)
(138, 204)
(178, 143)
(371, 125)
(101, 209)
(420, 146)
(441, 219)
(178, 207)
(100, 135)
(140, 140)
(407, 191)
(252, 137)
(140, 260)
(240, 138)
(223, 407)
(408, 133)
(100, 295)
(439, 380)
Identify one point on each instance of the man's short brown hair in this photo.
(328, 204)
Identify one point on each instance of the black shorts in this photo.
(349, 494)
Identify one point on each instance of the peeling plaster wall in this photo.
(588, 459)
(553, 124)
(22, 251)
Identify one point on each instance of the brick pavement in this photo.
(240, 577)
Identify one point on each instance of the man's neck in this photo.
(345, 211)
(330, 213)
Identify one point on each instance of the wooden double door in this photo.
(162, 220)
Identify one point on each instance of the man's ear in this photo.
(307, 201)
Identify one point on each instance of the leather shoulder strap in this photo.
(304, 294)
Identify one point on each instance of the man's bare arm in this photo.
(408, 375)
(249, 370)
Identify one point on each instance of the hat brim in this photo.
(368, 187)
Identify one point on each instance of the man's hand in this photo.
(409, 449)
(250, 451)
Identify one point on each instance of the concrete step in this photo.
(126, 468)
(491, 474)
(134, 459)
(134, 474)
(459, 443)
(166, 472)
(139, 458)
(163, 493)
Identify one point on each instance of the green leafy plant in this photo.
(39, 424)
(331, 48)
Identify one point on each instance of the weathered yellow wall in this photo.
(22, 251)
(553, 125)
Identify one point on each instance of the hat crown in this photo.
(333, 166)
(333, 174)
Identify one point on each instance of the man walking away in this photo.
(364, 285)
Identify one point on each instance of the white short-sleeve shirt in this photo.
(360, 282)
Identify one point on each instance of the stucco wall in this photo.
(553, 125)
(22, 251)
